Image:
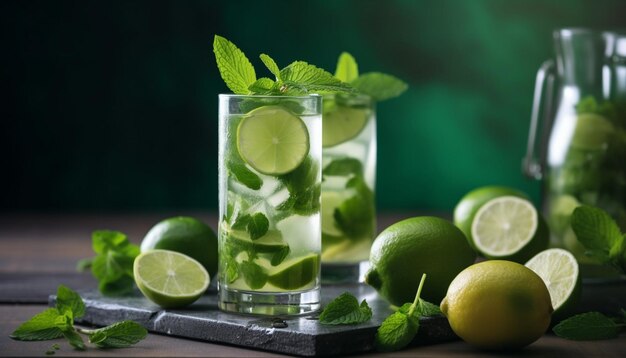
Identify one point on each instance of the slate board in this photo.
(304, 335)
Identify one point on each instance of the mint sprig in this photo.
(58, 322)
(600, 235)
(379, 86)
(113, 264)
(589, 326)
(298, 78)
(399, 329)
(345, 310)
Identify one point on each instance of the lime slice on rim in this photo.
(509, 227)
(272, 140)
(559, 270)
(170, 279)
(295, 273)
(342, 124)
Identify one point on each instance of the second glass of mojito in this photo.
(270, 152)
(349, 173)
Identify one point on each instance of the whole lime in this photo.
(186, 235)
(469, 204)
(412, 247)
(498, 305)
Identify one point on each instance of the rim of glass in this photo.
(572, 31)
(308, 96)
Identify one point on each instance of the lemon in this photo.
(559, 270)
(341, 123)
(272, 140)
(498, 305)
(509, 228)
(186, 235)
(170, 279)
(409, 248)
(472, 201)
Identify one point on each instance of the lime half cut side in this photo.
(559, 270)
(170, 279)
(342, 124)
(503, 226)
(272, 140)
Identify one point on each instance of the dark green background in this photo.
(113, 105)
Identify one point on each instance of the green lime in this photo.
(170, 279)
(559, 270)
(592, 132)
(295, 273)
(340, 124)
(186, 235)
(272, 140)
(498, 305)
(509, 228)
(472, 201)
(409, 248)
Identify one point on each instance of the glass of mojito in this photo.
(349, 169)
(270, 152)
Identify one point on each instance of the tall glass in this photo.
(349, 175)
(270, 151)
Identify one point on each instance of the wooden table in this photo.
(39, 252)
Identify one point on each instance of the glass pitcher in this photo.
(580, 102)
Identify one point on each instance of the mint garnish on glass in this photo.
(298, 78)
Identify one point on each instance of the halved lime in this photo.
(295, 273)
(170, 279)
(559, 270)
(342, 124)
(272, 140)
(509, 228)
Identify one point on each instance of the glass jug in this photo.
(580, 102)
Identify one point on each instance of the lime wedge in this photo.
(558, 269)
(342, 124)
(272, 140)
(510, 228)
(330, 201)
(170, 279)
(295, 273)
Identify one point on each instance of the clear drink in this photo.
(349, 173)
(270, 182)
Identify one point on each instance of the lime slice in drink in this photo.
(342, 124)
(558, 269)
(272, 140)
(269, 243)
(295, 273)
(330, 201)
(509, 228)
(170, 279)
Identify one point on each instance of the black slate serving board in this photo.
(303, 335)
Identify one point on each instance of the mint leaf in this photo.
(355, 216)
(40, 327)
(399, 329)
(599, 234)
(68, 300)
(280, 256)
(244, 175)
(422, 309)
(84, 264)
(301, 77)
(235, 68)
(344, 167)
(258, 226)
(347, 68)
(253, 274)
(304, 192)
(118, 335)
(263, 86)
(345, 309)
(379, 86)
(586, 327)
(113, 270)
(66, 324)
(271, 65)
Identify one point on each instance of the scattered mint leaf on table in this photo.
(118, 335)
(600, 235)
(40, 327)
(234, 66)
(347, 69)
(68, 300)
(344, 310)
(588, 326)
